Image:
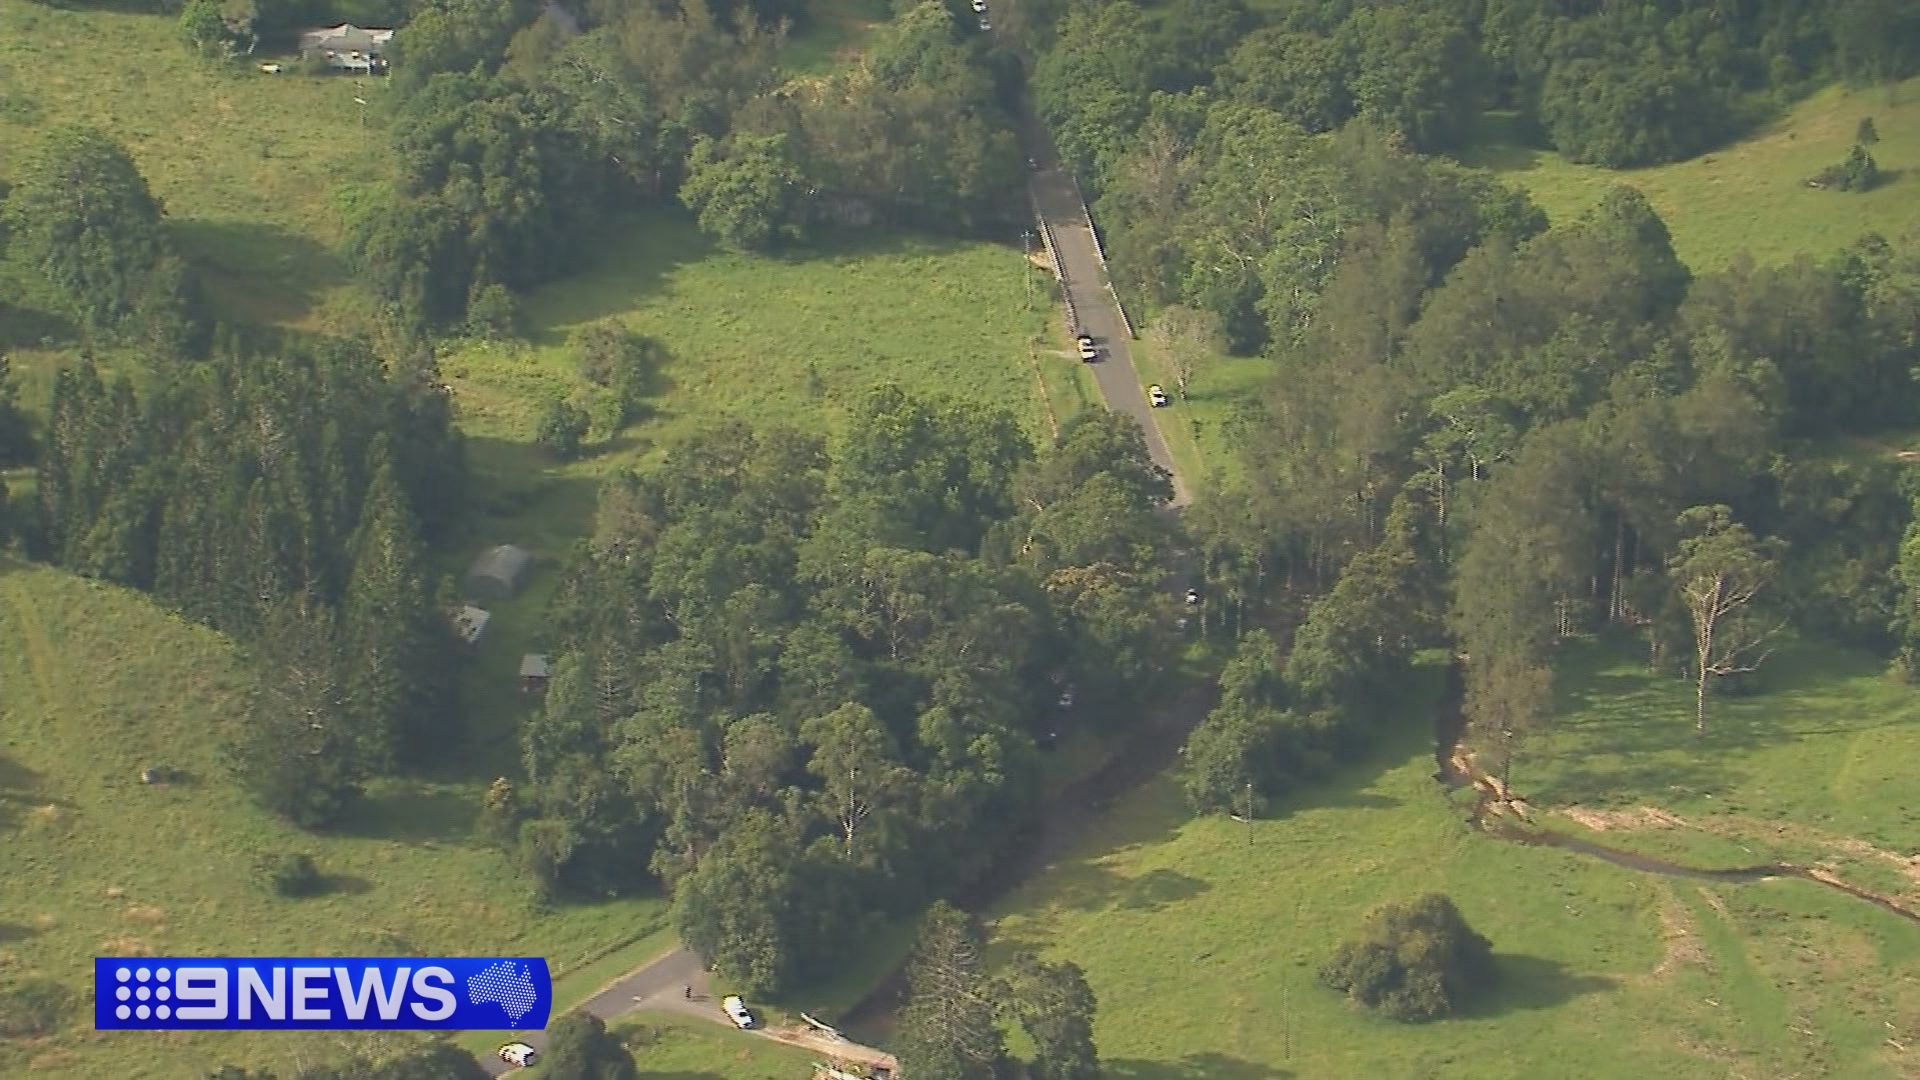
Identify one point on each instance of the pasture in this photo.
(1202, 938)
(96, 684)
(250, 167)
(1752, 196)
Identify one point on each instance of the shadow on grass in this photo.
(1091, 886)
(1531, 983)
(1629, 729)
(1209, 1066)
(12, 932)
(413, 814)
(344, 885)
(19, 789)
(259, 270)
(523, 500)
(26, 327)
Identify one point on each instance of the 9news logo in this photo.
(262, 994)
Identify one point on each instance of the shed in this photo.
(499, 572)
(469, 623)
(535, 668)
(348, 47)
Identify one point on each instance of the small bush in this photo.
(563, 428)
(33, 1007)
(1416, 961)
(292, 875)
(493, 313)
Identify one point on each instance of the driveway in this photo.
(660, 985)
(1087, 287)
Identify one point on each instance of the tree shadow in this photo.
(344, 885)
(12, 932)
(412, 812)
(19, 789)
(259, 271)
(1529, 983)
(633, 256)
(1093, 886)
(23, 327)
(1207, 1066)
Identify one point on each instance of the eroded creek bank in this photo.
(1500, 812)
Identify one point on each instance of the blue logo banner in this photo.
(321, 994)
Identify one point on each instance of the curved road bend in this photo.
(1085, 280)
(648, 987)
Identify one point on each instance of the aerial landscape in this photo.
(969, 539)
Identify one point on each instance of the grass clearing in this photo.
(246, 163)
(98, 683)
(1752, 196)
(673, 1048)
(836, 34)
(1203, 937)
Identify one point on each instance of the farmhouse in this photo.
(348, 47)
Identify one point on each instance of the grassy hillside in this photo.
(1753, 196)
(1202, 937)
(246, 163)
(95, 684)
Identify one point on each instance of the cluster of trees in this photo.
(803, 683)
(1414, 961)
(1860, 172)
(513, 137)
(1613, 86)
(89, 239)
(951, 1026)
(283, 491)
(1490, 447)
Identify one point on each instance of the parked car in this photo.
(1066, 698)
(1033, 165)
(518, 1054)
(1156, 396)
(984, 24)
(979, 7)
(1088, 350)
(736, 1011)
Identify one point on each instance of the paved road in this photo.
(1092, 298)
(661, 984)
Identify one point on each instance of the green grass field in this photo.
(1752, 196)
(95, 684)
(247, 164)
(1202, 937)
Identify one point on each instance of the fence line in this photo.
(1100, 253)
(1059, 267)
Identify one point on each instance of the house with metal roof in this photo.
(348, 47)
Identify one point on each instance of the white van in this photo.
(519, 1054)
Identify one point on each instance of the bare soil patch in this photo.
(1640, 817)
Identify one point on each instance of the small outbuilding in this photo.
(499, 572)
(469, 624)
(535, 669)
(348, 47)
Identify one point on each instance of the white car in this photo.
(1088, 350)
(518, 1054)
(736, 1011)
(979, 7)
(984, 24)
(1156, 396)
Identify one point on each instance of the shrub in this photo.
(493, 313)
(1416, 961)
(292, 875)
(33, 1007)
(608, 354)
(563, 428)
